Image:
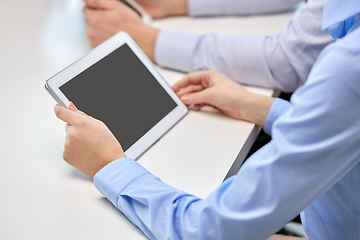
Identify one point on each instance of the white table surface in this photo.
(43, 197)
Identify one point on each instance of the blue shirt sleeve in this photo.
(278, 107)
(113, 182)
(114, 177)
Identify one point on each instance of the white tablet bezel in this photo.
(156, 132)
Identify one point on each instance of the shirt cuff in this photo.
(205, 7)
(112, 179)
(278, 108)
(181, 46)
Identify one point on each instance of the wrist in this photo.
(145, 37)
(257, 109)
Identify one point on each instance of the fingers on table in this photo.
(196, 78)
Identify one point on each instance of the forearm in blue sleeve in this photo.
(163, 212)
(115, 176)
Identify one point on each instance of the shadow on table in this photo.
(74, 173)
(106, 202)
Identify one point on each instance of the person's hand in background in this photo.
(164, 8)
(89, 144)
(105, 18)
(213, 89)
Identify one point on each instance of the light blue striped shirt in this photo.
(311, 165)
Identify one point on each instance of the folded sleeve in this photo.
(115, 176)
(278, 108)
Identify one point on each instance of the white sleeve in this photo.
(238, 7)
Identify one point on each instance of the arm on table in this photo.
(261, 61)
(280, 62)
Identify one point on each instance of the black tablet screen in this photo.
(120, 91)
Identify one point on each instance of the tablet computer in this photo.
(117, 84)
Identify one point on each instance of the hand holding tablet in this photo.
(89, 144)
(117, 84)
